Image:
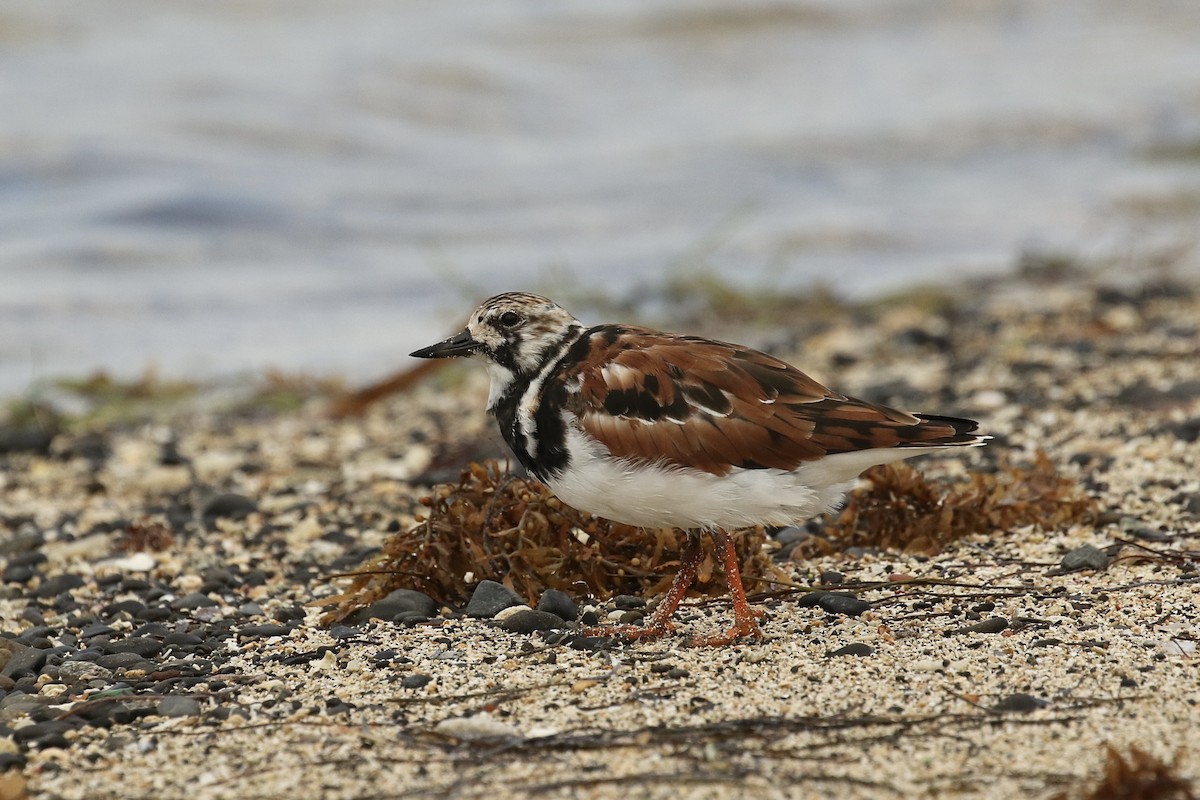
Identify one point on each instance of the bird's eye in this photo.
(510, 319)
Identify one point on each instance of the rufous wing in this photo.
(714, 406)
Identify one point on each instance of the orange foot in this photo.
(632, 633)
(745, 629)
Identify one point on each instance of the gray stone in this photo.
(1084, 557)
(177, 706)
(1021, 703)
(852, 649)
(559, 604)
(17, 659)
(398, 602)
(845, 604)
(193, 600)
(989, 625)
(529, 621)
(490, 598)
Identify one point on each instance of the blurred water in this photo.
(236, 184)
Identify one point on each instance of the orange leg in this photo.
(659, 623)
(744, 623)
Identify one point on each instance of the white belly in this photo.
(659, 496)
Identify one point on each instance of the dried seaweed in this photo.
(494, 525)
(903, 510)
(1140, 776)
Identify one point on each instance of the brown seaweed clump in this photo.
(494, 525)
(903, 510)
(1140, 776)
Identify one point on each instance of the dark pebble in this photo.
(628, 601)
(125, 661)
(44, 734)
(26, 439)
(131, 607)
(989, 625)
(398, 602)
(34, 633)
(229, 506)
(53, 587)
(29, 558)
(558, 603)
(677, 672)
(631, 617)
(832, 578)
(589, 618)
(193, 600)
(11, 761)
(344, 632)
(177, 706)
(287, 614)
(490, 598)
(158, 629)
(18, 574)
(144, 646)
(182, 640)
(1047, 642)
(530, 621)
(156, 614)
(1084, 557)
(19, 660)
(852, 649)
(791, 535)
(845, 604)
(410, 619)
(415, 681)
(811, 599)
(95, 629)
(1023, 703)
(263, 631)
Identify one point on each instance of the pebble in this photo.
(177, 706)
(415, 680)
(478, 727)
(42, 735)
(1084, 557)
(558, 603)
(626, 602)
(528, 621)
(229, 506)
(832, 578)
(400, 601)
(852, 649)
(82, 670)
(18, 660)
(53, 587)
(1022, 703)
(264, 631)
(811, 599)
(490, 598)
(193, 600)
(845, 604)
(144, 646)
(989, 625)
(126, 661)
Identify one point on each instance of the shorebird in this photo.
(662, 430)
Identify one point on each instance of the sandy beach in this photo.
(160, 566)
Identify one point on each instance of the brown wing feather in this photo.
(713, 406)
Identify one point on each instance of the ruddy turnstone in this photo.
(661, 430)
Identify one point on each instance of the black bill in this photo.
(460, 344)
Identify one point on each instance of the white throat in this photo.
(501, 378)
